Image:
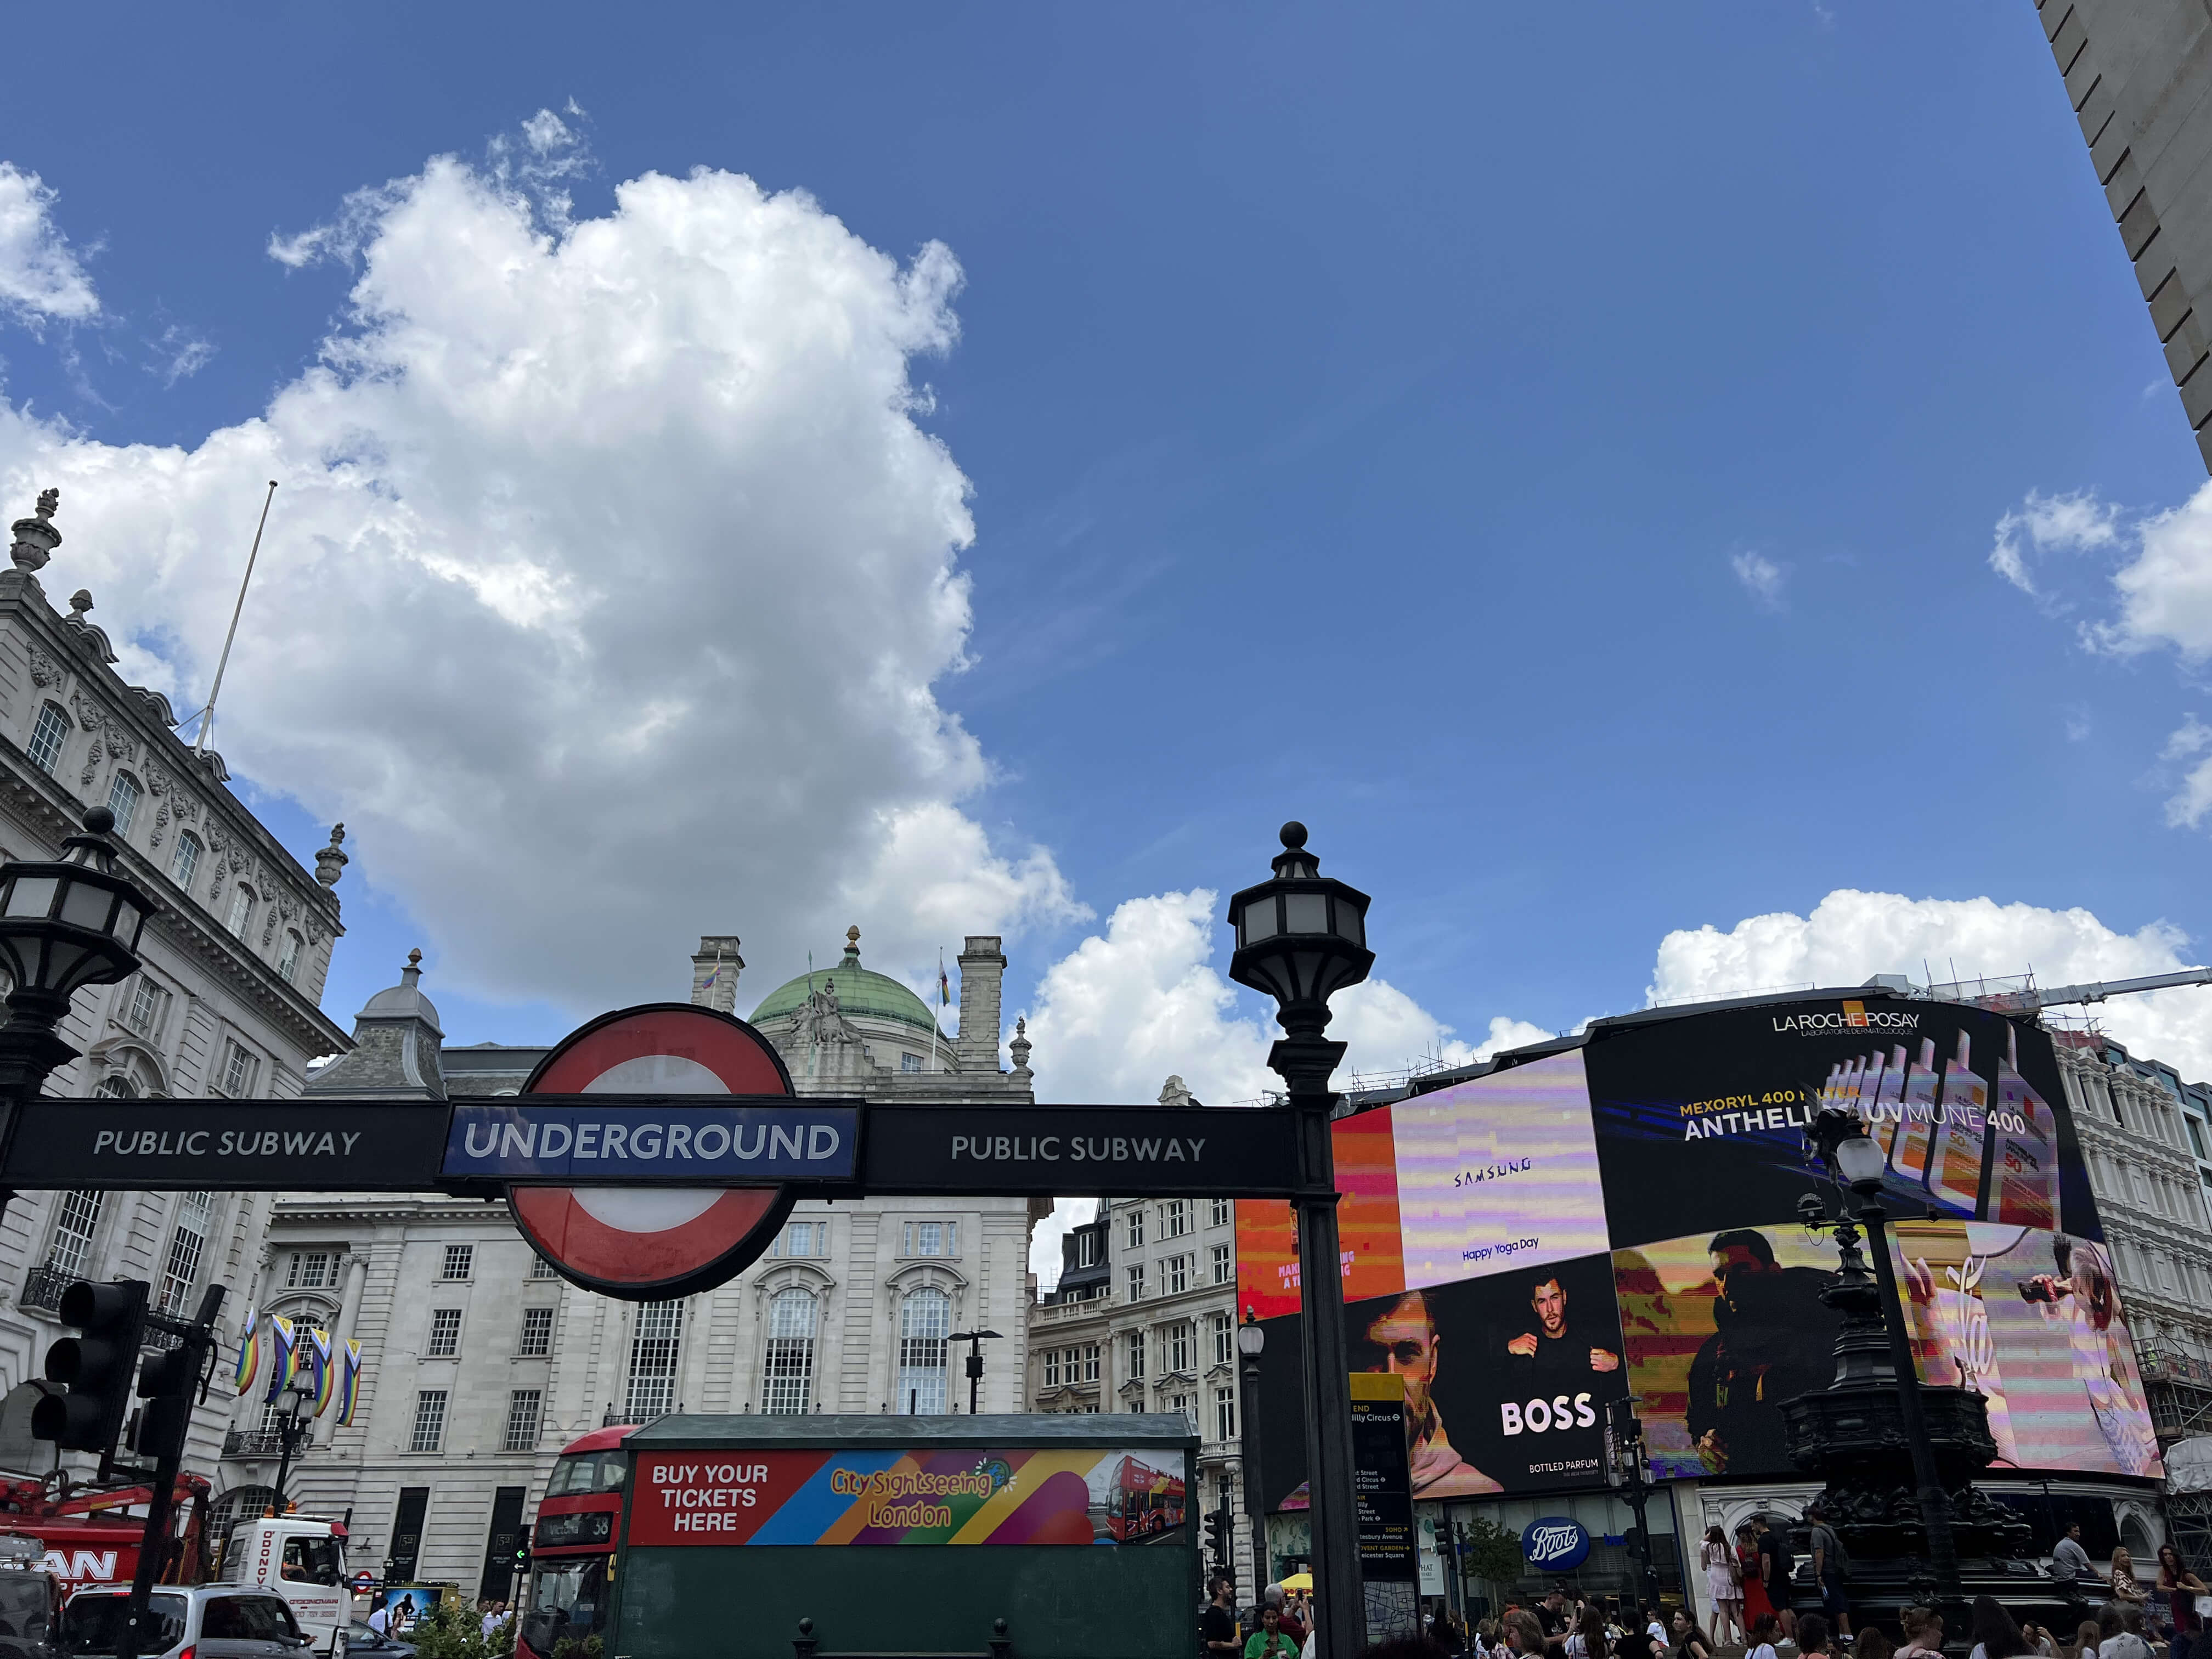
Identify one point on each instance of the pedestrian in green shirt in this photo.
(1270, 1638)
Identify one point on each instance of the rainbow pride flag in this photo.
(326, 1372)
(280, 1372)
(348, 1383)
(249, 1352)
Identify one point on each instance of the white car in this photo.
(210, 1621)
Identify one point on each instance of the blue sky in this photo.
(1557, 455)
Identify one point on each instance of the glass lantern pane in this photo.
(1348, 925)
(1259, 920)
(1306, 913)
(31, 897)
(85, 905)
(127, 923)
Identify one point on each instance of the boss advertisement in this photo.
(1506, 1379)
(1651, 1178)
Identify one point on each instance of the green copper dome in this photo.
(861, 993)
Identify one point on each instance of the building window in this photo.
(787, 1375)
(1224, 1339)
(186, 1245)
(1223, 1212)
(1136, 1356)
(429, 1434)
(925, 1320)
(75, 1220)
(910, 1062)
(116, 1088)
(524, 1407)
(932, 1238)
(239, 1066)
(540, 1268)
(1181, 1402)
(1086, 1248)
(46, 737)
(1177, 1339)
(1174, 1218)
(1135, 1224)
(242, 909)
(460, 1261)
(288, 959)
(186, 861)
(803, 1238)
(123, 801)
(1178, 1272)
(1225, 1413)
(311, 1270)
(537, 1340)
(653, 1354)
(1052, 1368)
(445, 1334)
(1090, 1365)
(147, 1000)
(1225, 1265)
(1136, 1281)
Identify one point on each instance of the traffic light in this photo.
(1217, 1535)
(166, 1382)
(94, 1368)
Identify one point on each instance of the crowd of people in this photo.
(1749, 1583)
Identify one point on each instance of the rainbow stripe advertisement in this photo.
(1075, 1496)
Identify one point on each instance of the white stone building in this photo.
(480, 1366)
(227, 1004)
(1144, 1319)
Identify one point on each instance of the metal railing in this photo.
(625, 1417)
(43, 1288)
(252, 1443)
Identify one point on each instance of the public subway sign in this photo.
(603, 1144)
(1131, 1152)
(227, 1146)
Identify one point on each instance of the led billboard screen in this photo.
(1654, 1173)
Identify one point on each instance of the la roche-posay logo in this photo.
(1848, 1017)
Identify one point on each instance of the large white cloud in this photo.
(2166, 589)
(1126, 1009)
(608, 583)
(1852, 936)
(40, 275)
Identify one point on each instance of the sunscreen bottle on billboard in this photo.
(2027, 1139)
(1908, 1154)
(1954, 1171)
(1884, 1112)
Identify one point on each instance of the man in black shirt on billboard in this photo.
(1552, 1359)
(1773, 1340)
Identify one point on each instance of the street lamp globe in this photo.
(1302, 937)
(70, 923)
(1251, 1337)
(1851, 1154)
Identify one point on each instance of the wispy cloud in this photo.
(178, 353)
(2192, 803)
(2050, 524)
(1762, 579)
(41, 277)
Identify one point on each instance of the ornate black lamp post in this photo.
(64, 925)
(974, 1363)
(1857, 1163)
(295, 1415)
(1301, 939)
(1623, 1468)
(1251, 1341)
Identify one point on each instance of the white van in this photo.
(301, 1560)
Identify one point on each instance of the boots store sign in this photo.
(655, 1151)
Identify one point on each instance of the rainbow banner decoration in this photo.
(326, 1373)
(1084, 1496)
(348, 1383)
(280, 1371)
(249, 1352)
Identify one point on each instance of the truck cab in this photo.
(302, 1560)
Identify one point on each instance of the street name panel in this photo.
(1131, 1152)
(234, 1145)
(848, 1147)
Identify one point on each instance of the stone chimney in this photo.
(714, 971)
(983, 969)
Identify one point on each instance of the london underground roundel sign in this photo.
(645, 1243)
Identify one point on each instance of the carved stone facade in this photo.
(216, 1009)
(479, 1367)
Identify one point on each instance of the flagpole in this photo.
(207, 714)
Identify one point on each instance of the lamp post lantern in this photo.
(1251, 1340)
(65, 924)
(296, 1413)
(1857, 1162)
(1302, 938)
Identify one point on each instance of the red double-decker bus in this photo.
(571, 1549)
(1144, 1501)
